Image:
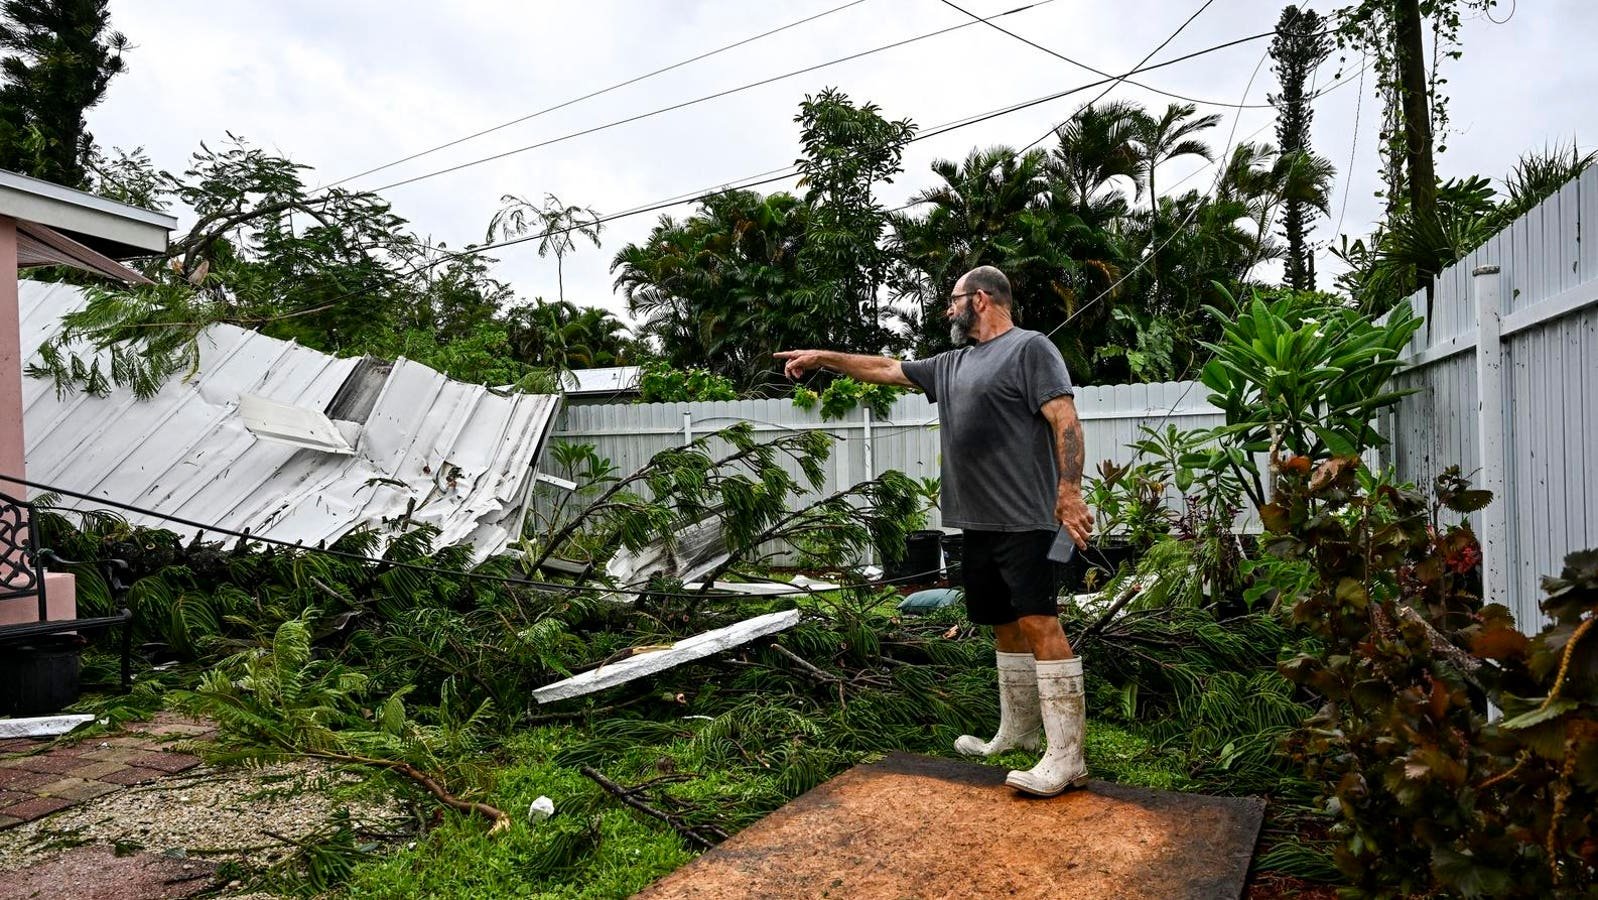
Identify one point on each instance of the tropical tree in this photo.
(556, 222)
(1383, 267)
(1097, 146)
(1170, 135)
(335, 270)
(1300, 45)
(847, 150)
(723, 288)
(1003, 209)
(563, 336)
(59, 60)
(971, 219)
(1394, 33)
(1266, 181)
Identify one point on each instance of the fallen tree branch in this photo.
(1132, 589)
(626, 796)
(493, 814)
(808, 667)
(1444, 648)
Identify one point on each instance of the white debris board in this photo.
(686, 650)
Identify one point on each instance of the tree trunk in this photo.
(1411, 62)
(1293, 217)
(1154, 243)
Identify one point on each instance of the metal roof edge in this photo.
(35, 200)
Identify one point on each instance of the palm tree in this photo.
(972, 218)
(557, 221)
(561, 335)
(1160, 139)
(1097, 145)
(724, 287)
(1264, 180)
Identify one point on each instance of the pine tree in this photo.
(1301, 43)
(59, 61)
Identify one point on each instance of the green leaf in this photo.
(1552, 710)
(1467, 501)
(1336, 442)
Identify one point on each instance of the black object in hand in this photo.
(1063, 547)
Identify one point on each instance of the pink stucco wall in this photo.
(11, 447)
(60, 589)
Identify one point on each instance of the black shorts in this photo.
(1008, 574)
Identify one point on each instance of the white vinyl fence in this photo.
(1507, 368)
(629, 434)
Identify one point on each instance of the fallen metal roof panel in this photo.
(610, 379)
(686, 650)
(450, 454)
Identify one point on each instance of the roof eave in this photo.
(116, 229)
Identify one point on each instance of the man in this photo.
(1012, 476)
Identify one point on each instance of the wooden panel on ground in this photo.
(917, 826)
(684, 651)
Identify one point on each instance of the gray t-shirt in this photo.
(999, 471)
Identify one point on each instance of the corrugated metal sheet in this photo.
(457, 456)
(1549, 301)
(607, 380)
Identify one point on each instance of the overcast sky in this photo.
(346, 86)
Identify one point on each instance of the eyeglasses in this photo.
(953, 297)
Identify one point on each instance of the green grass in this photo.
(624, 852)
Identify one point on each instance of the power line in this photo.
(593, 94)
(973, 120)
(697, 100)
(412, 567)
(1104, 93)
(1111, 80)
(1186, 178)
(1082, 65)
(679, 200)
(1219, 173)
(1348, 174)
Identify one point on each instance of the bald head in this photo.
(990, 281)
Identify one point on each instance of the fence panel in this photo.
(628, 434)
(1547, 327)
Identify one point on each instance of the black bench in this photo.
(22, 568)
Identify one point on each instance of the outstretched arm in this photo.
(1069, 454)
(870, 369)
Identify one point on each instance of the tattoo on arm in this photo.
(1069, 449)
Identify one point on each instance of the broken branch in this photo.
(497, 816)
(804, 664)
(626, 796)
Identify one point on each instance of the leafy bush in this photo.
(1430, 795)
(844, 395)
(1303, 374)
(660, 383)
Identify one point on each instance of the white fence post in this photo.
(687, 427)
(871, 465)
(1487, 285)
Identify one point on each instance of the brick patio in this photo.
(36, 782)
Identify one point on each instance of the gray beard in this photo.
(960, 329)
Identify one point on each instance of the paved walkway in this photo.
(35, 782)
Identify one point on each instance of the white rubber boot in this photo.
(1020, 722)
(1064, 716)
